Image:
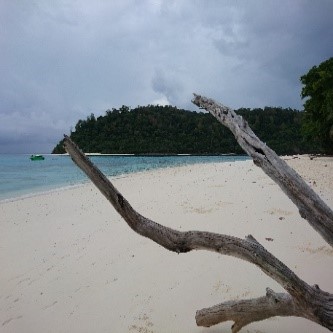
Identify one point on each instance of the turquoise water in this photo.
(20, 176)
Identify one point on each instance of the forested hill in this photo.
(168, 130)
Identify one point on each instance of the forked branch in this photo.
(244, 312)
(303, 300)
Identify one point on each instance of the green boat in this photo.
(37, 157)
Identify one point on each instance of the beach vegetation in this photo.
(156, 129)
(318, 106)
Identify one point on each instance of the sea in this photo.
(21, 177)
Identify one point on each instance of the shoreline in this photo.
(151, 154)
(71, 264)
(39, 193)
(42, 178)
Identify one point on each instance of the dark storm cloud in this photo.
(61, 61)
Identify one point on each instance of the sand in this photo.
(69, 263)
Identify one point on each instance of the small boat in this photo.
(37, 157)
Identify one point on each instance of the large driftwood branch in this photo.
(302, 299)
(310, 206)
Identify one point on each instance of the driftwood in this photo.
(301, 299)
(310, 206)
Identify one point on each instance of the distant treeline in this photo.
(168, 130)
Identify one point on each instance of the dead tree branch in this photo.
(302, 299)
(310, 206)
(244, 312)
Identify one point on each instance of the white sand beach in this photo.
(69, 263)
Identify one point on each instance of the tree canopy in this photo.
(168, 130)
(318, 89)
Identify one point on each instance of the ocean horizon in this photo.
(21, 177)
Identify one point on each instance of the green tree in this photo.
(318, 89)
(168, 130)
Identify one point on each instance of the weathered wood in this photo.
(310, 205)
(244, 312)
(304, 300)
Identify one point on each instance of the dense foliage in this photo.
(168, 130)
(318, 88)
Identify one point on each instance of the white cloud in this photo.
(162, 100)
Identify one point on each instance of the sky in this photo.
(62, 60)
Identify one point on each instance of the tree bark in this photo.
(244, 312)
(310, 206)
(301, 300)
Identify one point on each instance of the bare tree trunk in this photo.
(301, 300)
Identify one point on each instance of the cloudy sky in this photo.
(62, 60)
